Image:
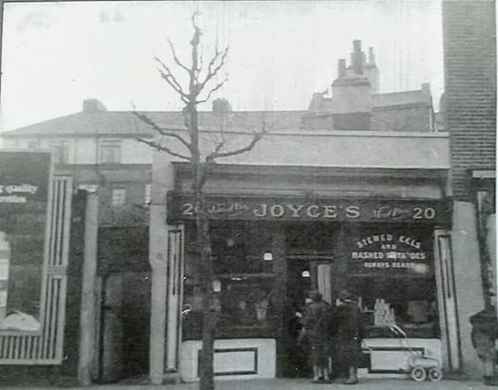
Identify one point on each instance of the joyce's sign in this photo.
(390, 252)
(181, 207)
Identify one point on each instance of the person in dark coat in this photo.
(483, 335)
(347, 332)
(315, 317)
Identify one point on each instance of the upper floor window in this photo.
(118, 196)
(33, 144)
(110, 151)
(60, 151)
(148, 193)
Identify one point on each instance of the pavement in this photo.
(292, 384)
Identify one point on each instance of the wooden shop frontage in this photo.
(278, 232)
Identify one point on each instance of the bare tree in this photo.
(201, 86)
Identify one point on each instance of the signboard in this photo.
(24, 188)
(390, 251)
(181, 207)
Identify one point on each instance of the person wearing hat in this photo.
(347, 334)
(483, 336)
(315, 318)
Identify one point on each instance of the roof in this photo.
(99, 122)
(393, 99)
(124, 123)
(386, 101)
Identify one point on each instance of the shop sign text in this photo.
(182, 207)
(390, 250)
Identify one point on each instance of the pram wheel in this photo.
(435, 374)
(418, 374)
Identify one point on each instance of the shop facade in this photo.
(280, 230)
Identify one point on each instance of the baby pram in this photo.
(421, 367)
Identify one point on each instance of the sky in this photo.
(55, 55)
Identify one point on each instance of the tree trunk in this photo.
(204, 256)
(208, 308)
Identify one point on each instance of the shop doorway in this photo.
(301, 278)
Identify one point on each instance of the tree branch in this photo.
(215, 65)
(217, 154)
(214, 89)
(162, 148)
(170, 78)
(144, 118)
(219, 147)
(175, 57)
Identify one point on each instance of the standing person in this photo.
(315, 326)
(347, 332)
(483, 335)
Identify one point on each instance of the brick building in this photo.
(469, 32)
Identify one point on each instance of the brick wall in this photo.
(408, 118)
(470, 72)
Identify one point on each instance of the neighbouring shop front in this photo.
(270, 251)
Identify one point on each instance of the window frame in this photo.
(115, 195)
(110, 151)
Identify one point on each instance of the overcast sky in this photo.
(55, 55)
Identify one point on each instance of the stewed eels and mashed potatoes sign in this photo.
(390, 251)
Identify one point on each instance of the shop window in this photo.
(110, 151)
(243, 284)
(392, 273)
(409, 303)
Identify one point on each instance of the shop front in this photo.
(270, 250)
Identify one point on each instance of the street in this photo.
(299, 384)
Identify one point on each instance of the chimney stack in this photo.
(341, 69)
(372, 72)
(93, 105)
(357, 57)
(371, 56)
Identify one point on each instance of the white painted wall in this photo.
(468, 283)
(236, 357)
(84, 150)
(365, 149)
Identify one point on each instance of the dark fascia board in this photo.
(183, 169)
(105, 166)
(75, 135)
(402, 106)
